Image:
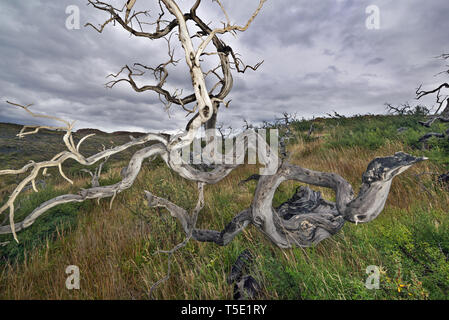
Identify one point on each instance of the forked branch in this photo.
(304, 220)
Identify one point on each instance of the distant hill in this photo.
(90, 131)
(15, 151)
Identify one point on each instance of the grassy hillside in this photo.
(116, 249)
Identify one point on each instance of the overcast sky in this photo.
(319, 57)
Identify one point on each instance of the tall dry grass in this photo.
(116, 250)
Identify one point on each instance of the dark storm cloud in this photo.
(319, 56)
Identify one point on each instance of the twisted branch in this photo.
(304, 220)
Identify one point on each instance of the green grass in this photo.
(411, 252)
(116, 249)
(373, 132)
(56, 221)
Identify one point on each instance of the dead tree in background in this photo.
(304, 220)
(442, 103)
(406, 109)
(283, 125)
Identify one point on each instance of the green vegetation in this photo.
(56, 221)
(116, 249)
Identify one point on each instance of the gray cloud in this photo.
(319, 57)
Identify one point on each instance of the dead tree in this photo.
(304, 220)
(406, 109)
(247, 125)
(336, 115)
(442, 103)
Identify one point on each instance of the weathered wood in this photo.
(304, 220)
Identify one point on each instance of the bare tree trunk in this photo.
(304, 220)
